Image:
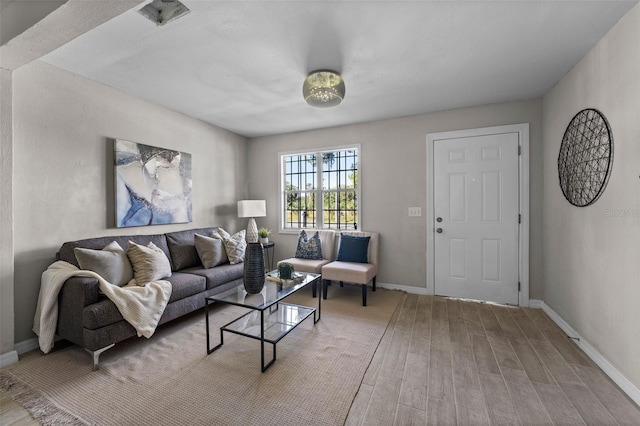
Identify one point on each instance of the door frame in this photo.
(523, 200)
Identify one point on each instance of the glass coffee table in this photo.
(269, 319)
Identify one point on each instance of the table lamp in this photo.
(252, 209)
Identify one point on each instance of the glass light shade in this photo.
(161, 12)
(323, 89)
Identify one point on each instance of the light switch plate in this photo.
(415, 211)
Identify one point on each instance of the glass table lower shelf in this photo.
(278, 320)
(269, 318)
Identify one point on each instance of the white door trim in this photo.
(523, 240)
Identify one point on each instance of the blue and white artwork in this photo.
(153, 185)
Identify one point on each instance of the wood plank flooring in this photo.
(11, 413)
(447, 362)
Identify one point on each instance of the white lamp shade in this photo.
(252, 208)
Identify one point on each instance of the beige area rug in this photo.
(169, 379)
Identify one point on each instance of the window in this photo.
(320, 189)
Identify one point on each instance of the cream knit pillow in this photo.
(149, 263)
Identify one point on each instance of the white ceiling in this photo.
(240, 65)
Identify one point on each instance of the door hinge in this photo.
(519, 218)
(518, 286)
(519, 149)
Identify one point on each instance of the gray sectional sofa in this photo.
(89, 319)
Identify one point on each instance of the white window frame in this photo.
(319, 191)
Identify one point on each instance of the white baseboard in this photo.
(407, 288)
(18, 349)
(535, 303)
(614, 374)
(8, 358)
(27, 345)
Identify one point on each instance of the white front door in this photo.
(476, 193)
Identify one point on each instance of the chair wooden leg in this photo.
(325, 283)
(374, 283)
(314, 287)
(341, 283)
(364, 295)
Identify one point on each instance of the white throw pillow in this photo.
(149, 263)
(235, 245)
(220, 234)
(111, 263)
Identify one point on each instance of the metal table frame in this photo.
(271, 308)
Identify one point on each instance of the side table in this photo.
(268, 255)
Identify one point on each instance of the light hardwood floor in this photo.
(444, 361)
(11, 413)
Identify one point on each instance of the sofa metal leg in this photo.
(341, 283)
(325, 283)
(374, 283)
(96, 355)
(314, 287)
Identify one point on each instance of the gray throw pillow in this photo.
(149, 263)
(111, 263)
(210, 250)
(182, 250)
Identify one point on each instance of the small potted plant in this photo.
(285, 271)
(263, 233)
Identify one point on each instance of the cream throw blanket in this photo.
(141, 306)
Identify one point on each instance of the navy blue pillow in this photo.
(353, 249)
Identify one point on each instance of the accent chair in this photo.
(354, 272)
(327, 238)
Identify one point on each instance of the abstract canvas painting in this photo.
(153, 185)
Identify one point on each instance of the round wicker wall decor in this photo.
(586, 157)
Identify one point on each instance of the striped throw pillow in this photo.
(149, 263)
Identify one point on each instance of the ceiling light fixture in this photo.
(161, 12)
(323, 89)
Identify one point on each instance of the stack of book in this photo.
(295, 279)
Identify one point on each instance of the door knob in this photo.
(439, 230)
(439, 219)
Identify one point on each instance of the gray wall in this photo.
(592, 254)
(6, 215)
(393, 177)
(63, 168)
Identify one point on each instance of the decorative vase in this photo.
(254, 268)
(264, 240)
